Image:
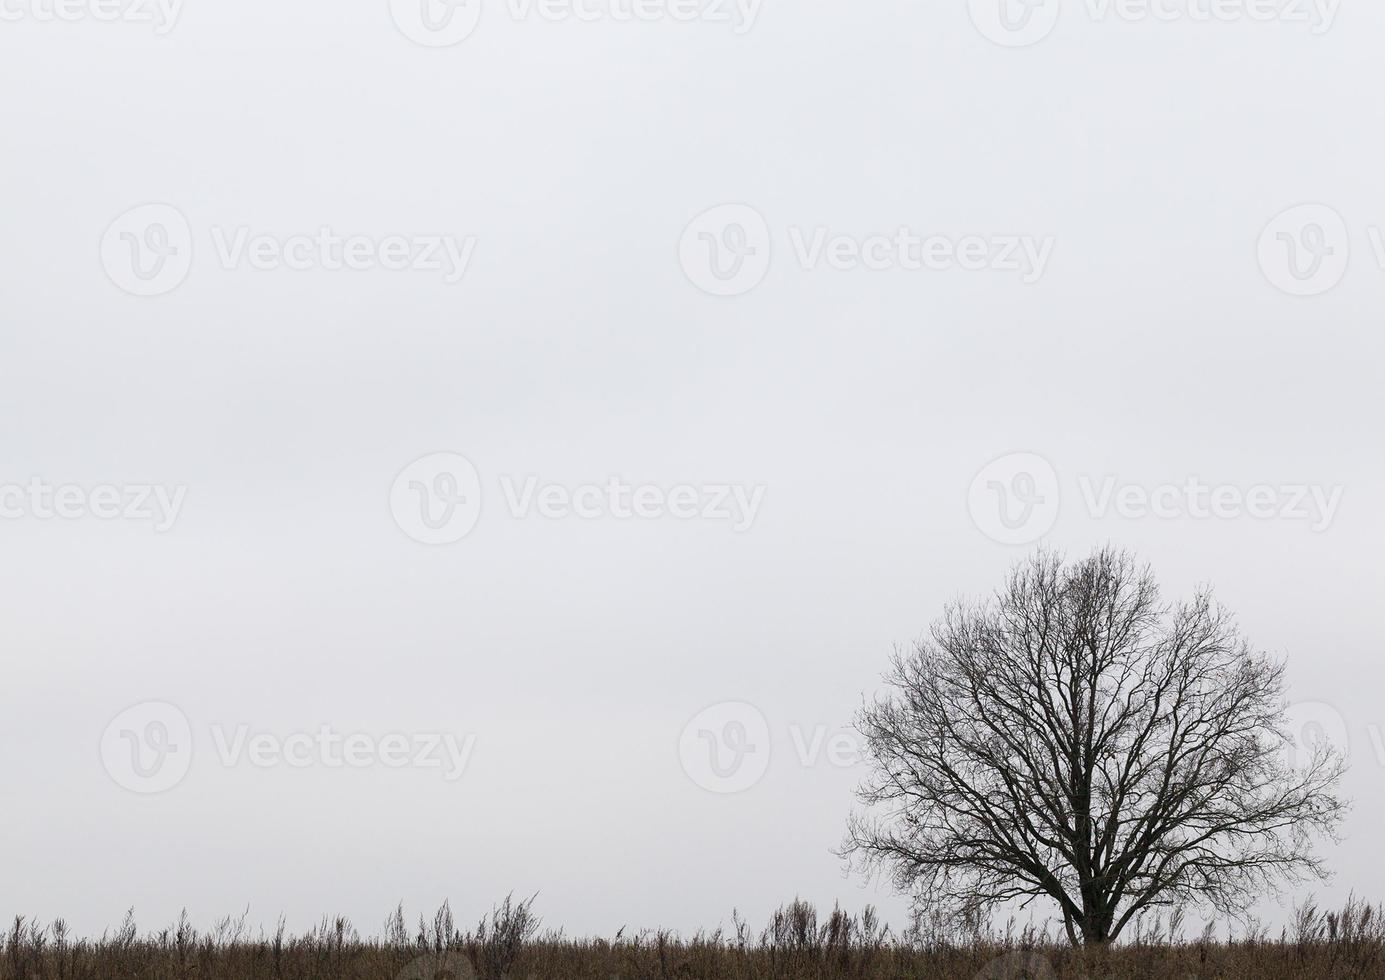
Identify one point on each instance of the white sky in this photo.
(1153, 348)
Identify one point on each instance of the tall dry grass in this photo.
(796, 943)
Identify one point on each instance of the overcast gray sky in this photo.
(454, 451)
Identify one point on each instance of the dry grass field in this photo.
(797, 943)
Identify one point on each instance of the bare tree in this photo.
(1078, 739)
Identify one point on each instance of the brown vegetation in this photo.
(797, 943)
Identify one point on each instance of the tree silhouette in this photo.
(1078, 739)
